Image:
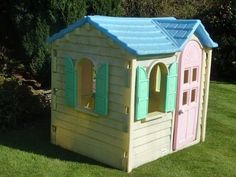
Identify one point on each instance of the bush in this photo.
(33, 22)
(221, 24)
(27, 24)
(176, 8)
(18, 104)
(105, 7)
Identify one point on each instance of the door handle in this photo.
(181, 111)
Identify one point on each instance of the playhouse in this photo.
(127, 91)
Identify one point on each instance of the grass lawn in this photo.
(28, 153)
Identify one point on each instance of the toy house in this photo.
(127, 91)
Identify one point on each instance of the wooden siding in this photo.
(205, 89)
(102, 138)
(151, 139)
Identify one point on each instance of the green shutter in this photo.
(171, 88)
(102, 85)
(70, 82)
(142, 94)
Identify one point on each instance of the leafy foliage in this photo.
(105, 7)
(176, 8)
(33, 21)
(18, 104)
(221, 23)
(219, 17)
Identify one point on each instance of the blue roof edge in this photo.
(205, 36)
(114, 38)
(198, 29)
(85, 19)
(192, 32)
(166, 32)
(66, 30)
(117, 40)
(202, 34)
(88, 19)
(81, 22)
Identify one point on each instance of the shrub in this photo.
(18, 104)
(176, 8)
(105, 7)
(33, 22)
(221, 24)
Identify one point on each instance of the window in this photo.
(86, 84)
(157, 88)
(85, 87)
(156, 93)
(194, 74)
(186, 76)
(185, 98)
(193, 95)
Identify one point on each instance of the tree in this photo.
(221, 23)
(33, 22)
(105, 7)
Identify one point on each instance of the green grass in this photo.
(27, 152)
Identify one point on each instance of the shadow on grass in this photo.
(223, 82)
(36, 139)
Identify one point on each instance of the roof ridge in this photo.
(167, 33)
(68, 29)
(198, 22)
(113, 37)
(130, 38)
(131, 18)
(195, 23)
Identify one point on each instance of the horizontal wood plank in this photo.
(152, 129)
(150, 155)
(90, 124)
(92, 149)
(141, 125)
(92, 134)
(105, 121)
(151, 137)
(152, 145)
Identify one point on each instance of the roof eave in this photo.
(66, 30)
(204, 37)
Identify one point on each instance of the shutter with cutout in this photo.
(142, 94)
(171, 88)
(70, 83)
(102, 86)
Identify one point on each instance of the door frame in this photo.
(201, 103)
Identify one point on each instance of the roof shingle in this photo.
(145, 36)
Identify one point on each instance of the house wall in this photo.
(205, 92)
(102, 138)
(204, 84)
(152, 138)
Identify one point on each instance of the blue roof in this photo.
(182, 30)
(145, 36)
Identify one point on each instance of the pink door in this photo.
(188, 95)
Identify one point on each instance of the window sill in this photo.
(87, 111)
(153, 116)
